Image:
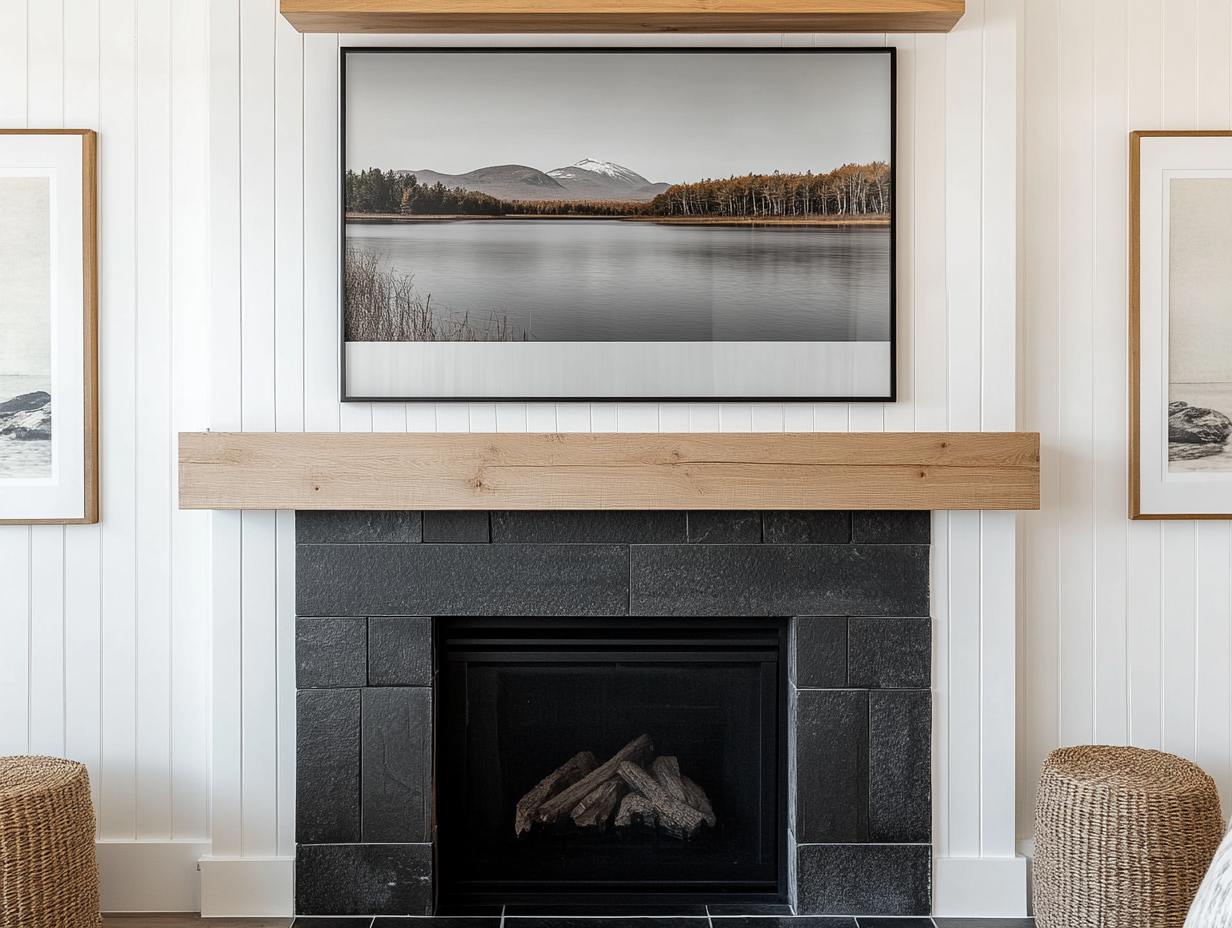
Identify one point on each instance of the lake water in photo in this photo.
(613, 280)
(23, 458)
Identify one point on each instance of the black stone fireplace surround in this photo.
(854, 585)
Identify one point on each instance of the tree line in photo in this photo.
(851, 190)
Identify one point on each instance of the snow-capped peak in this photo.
(606, 168)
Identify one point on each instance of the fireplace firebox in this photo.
(630, 760)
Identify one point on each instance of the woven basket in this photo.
(1122, 837)
(48, 874)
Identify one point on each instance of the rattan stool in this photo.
(1122, 837)
(48, 874)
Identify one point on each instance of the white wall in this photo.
(157, 647)
(1124, 631)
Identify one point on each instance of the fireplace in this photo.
(448, 663)
(634, 760)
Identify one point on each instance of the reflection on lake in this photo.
(608, 280)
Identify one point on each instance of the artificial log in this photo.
(675, 817)
(596, 807)
(638, 749)
(568, 773)
(696, 797)
(666, 772)
(635, 808)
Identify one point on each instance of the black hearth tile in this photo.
(900, 765)
(468, 910)
(316, 921)
(626, 527)
(325, 527)
(463, 580)
(351, 879)
(788, 921)
(588, 910)
(891, 922)
(327, 765)
(330, 652)
(819, 651)
(467, 526)
(880, 879)
(399, 650)
(397, 764)
(806, 527)
(714, 527)
(984, 922)
(891, 527)
(733, 909)
(890, 652)
(582, 921)
(777, 580)
(831, 770)
(438, 921)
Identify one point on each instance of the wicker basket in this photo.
(1122, 837)
(48, 874)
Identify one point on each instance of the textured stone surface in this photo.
(437, 921)
(397, 764)
(782, 921)
(889, 651)
(331, 652)
(806, 527)
(467, 526)
(716, 527)
(363, 879)
(831, 770)
(327, 765)
(399, 650)
(819, 651)
(874, 879)
(891, 527)
(322, 527)
(778, 580)
(606, 527)
(462, 580)
(899, 765)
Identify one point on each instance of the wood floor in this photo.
(190, 921)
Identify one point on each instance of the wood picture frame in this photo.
(49, 323)
(1180, 325)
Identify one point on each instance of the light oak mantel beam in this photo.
(366, 470)
(622, 16)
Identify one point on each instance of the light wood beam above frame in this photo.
(828, 470)
(622, 16)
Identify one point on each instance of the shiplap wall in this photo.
(1124, 625)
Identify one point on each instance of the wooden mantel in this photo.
(622, 16)
(824, 470)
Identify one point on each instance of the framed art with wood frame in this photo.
(48, 326)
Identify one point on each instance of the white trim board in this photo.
(141, 876)
(248, 887)
(980, 887)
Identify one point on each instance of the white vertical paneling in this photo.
(46, 612)
(1180, 38)
(942, 700)
(962, 642)
(1179, 637)
(483, 416)
(13, 56)
(289, 230)
(1214, 65)
(510, 417)
(284, 528)
(81, 57)
(15, 632)
(900, 416)
(45, 66)
(1213, 661)
(259, 700)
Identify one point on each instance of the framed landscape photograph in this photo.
(48, 318)
(589, 224)
(1181, 325)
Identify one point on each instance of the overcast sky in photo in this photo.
(670, 117)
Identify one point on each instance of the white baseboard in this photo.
(247, 887)
(140, 876)
(980, 887)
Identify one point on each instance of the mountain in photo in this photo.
(586, 180)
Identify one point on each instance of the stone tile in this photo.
(890, 652)
(330, 652)
(865, 921)
(591, 910)
(551, 921)
(879, 879)
(356, 879)
(776, 580)
(397, 764)
(468, 910)
(900, 766)
(984, 922)
(819, 651)
(736, 909)
(399, 650)
(461, 527)
(782, 921)
(891, 527)
(327, 766)
(463, 580)
(806, 527)
(831, 770)
(714, 527)
(316, 921)
(439, 921)
(326, 527)
(606, 527)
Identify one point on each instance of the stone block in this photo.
(891, 527)
(330, 652)
(806, 527)
(831, 766)
(886, 651)
(363, 879)
(715, 527)
(399, 650)
(870, 879)
(329, 527)
(327, 765)
(625, 526)
(397, 765)
(819, 651)
(900, 766)
(462, 527)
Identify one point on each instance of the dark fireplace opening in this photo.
(611, 760)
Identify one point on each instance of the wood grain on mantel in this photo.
(825, 470)
(622, 16)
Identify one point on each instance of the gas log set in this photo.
(619, 792)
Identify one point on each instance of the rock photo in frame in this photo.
(589, 224)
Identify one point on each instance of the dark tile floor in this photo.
(697, 916)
